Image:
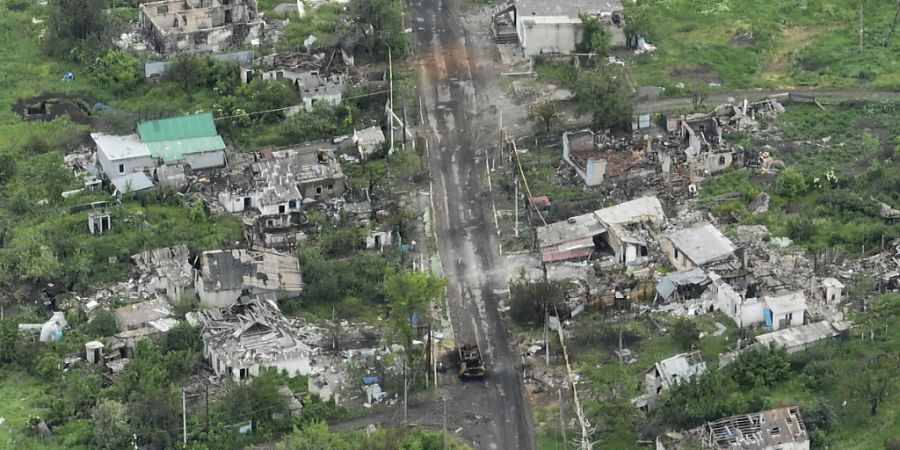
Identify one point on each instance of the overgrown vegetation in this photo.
(760, 43)
(840, 163)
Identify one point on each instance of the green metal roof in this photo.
(174, 150)
(175, 128)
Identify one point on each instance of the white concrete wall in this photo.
(631, 252)
(833, 294)
(545, 33)
(111, 167)
(296, 365)
(796, 319)
(596, 171)
(234, 203)
(205, 160)
(215, 299)
(331, 99)
(752, 312)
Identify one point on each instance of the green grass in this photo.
(23, 398)
(322, 22)
(794, 43)
(853, 143)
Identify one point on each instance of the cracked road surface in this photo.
(459, 90)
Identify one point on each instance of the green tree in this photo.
(186, 72)
(117, 69)
(72, 23)
(343, 241)
(156, 416)
(530, 300)
(49, 366)
(258, 400)
(408, 295)
(183, 337)
(759, 367)
(110, 424)
(594, 37)
(604, 95)
(877, 381)
(385, 18)
(102, 324)
(10, 341)
(790, 183)
(545, 114)
(80, 392)
(685, 333)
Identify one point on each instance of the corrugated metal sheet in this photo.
(178, 128)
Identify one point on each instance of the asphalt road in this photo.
(459, 86)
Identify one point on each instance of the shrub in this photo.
(118, 70)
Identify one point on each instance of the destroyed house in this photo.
(555, 27)
(620, 232)
(368, 141)
(227, 275)
(317, 176)
(153, 313)
(683, 285)
(316, 78)
(775, 429)
(701, 245)
(166, 270)
(243, 338)
(190, 139)
(669, 372)
(596, 157)
(630, 226)
(703, 149)
(199, 26)
(575, 238)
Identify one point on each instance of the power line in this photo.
(291, 107)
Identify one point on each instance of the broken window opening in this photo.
(318, 190)
(280, 209)
(121, 168)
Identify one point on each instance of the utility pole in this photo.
(428, 357)
(501, 130)
(860, 26)
(184, 416)
(405, 391)
(546, 334)
(207, 405)
(391, 101)
(445, 422)
(516, 199)
(562, 420)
